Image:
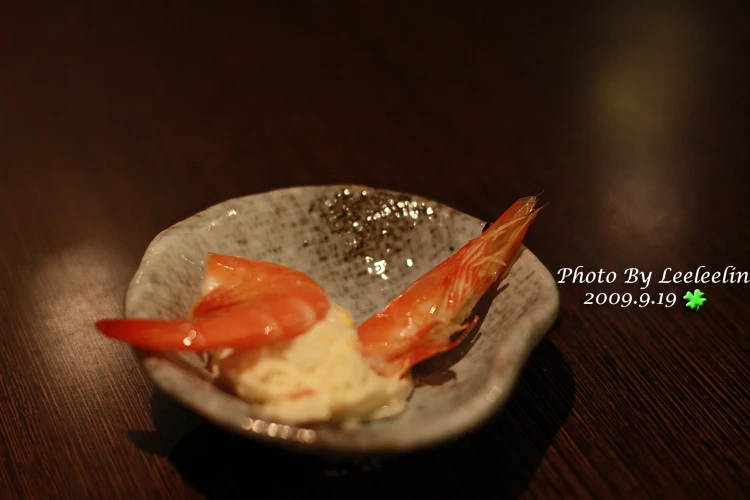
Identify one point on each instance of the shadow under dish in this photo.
(496, 460)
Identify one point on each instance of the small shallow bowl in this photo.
(324, 231)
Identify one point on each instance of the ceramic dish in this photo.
(324, 231)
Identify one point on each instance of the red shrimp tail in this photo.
(224, 268)
(160, 335)
(241, 280)
(229, 268)
(240, 328)
(400, 365)
(221, 298)
(230, 273)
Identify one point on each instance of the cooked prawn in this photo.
(419, 322)
(246, 304)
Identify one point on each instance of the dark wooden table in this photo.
(120, 121)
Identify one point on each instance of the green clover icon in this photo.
(695, 299)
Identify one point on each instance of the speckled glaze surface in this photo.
(364, 249)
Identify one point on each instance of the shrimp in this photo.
(420, 322)
(246, 304)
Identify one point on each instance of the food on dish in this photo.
(319, 376)
(245, 304)
(419, 323)
(276, 339)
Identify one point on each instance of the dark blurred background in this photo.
(118, 120)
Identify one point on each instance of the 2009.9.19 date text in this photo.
(628, 299)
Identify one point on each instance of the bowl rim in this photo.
(488, 399)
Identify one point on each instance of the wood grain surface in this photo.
(118, 121)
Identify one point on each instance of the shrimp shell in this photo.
(247, 304)
(420, 322)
